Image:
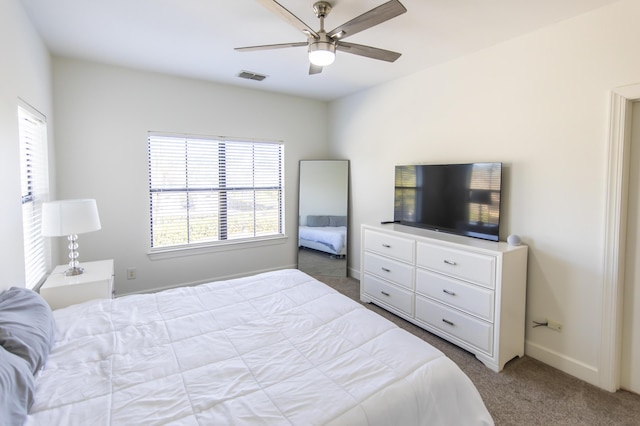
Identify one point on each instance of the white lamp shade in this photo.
(68, 217)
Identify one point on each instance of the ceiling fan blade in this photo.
(271, 46)
(375, 16)
(292, 19)
(314, 69)
(368, 51)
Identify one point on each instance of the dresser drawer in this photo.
(466, 328)
(389, 245)
(474, 267)
(476, 300)
(389, 294)
(391, 270)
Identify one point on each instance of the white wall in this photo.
(103, 116)
(538, 103)
(25, 73)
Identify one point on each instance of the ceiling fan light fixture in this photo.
(322, 45)
(322, 53)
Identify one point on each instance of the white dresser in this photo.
(468, 291)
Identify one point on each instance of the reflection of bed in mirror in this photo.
(325, 233)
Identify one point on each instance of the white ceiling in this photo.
(195, 38)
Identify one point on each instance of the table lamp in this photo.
(70, 217)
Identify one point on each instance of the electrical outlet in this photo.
(554, 325)
(131, 273)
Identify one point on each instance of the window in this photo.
(32, 131)
(204, 191)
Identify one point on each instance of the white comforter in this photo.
(276, 348)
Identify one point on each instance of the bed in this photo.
(325, 233)
(276, 348)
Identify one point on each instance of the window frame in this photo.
(190, 248)
(34, 190)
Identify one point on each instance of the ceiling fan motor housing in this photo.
(322, 49)
(322, 9)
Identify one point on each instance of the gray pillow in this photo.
(27, 327)
(337, 221)
(16, 389)
(317, 220)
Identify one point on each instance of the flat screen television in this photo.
(462, 199)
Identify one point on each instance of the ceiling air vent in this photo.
(251, 75)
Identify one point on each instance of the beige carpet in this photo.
(526, 392)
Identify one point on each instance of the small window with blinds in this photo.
(32, 132)
(206, 190)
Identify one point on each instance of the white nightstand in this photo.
(95, 283)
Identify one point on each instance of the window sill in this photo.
(172, 252)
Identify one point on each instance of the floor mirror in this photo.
(323, 217)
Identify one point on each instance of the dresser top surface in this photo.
(452, 239)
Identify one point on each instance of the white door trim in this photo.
(614, 238)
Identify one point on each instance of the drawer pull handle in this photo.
(386, 246)
(449, 292)
(386, 269)
(385, 293)
(450, 262)
(448, 322)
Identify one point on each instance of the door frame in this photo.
(619, 144)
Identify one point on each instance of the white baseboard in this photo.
(571, 366)
(354, 273)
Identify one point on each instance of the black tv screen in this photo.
(461, 199)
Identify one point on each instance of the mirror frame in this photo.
(323, 205)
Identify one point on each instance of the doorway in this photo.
(619, 143)
(630, 351)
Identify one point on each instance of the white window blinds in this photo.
(206, 190)
(32, 129)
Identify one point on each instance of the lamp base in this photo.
(76, 270)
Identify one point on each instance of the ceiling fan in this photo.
(322, 45)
